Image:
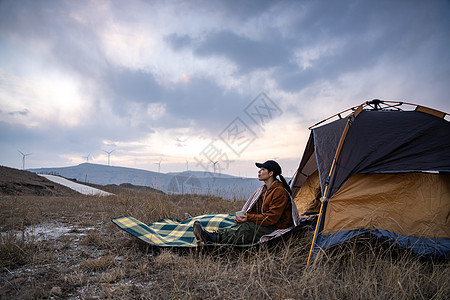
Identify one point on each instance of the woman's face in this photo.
(264, 174)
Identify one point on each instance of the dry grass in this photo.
(96, 259)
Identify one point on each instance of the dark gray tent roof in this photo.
(378, 141)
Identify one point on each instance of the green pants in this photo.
(245, 233)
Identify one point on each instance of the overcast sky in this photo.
(173, 84)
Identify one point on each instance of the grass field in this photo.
(90, 258)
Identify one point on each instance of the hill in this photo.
(16, 182)
(188, 182)
(117, 188)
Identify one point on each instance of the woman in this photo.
(270, 208)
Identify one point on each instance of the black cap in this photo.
(270, 165)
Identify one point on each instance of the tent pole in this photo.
(315, 232)
(319, 220)
(292, 178)
(324, 199)
(384, 102)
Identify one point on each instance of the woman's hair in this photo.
(284, 183)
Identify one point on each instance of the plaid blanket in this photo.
(171, 232)
(174, 233)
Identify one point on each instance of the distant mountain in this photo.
(202, 174)
(187, 182)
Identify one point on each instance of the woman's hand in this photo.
(240, 219)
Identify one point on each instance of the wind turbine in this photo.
(109, 154)
(87, 157)
(159, 166)
(23, 158)
(214, 164)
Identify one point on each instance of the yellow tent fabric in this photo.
(308, 197)
(412, 204)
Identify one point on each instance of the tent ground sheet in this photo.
(172, 232)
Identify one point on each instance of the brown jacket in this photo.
(276, 208)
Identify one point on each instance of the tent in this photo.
(383, 169)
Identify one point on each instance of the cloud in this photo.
(21, 112)
(246, 53)
(157, 78)
(179, 42)
(129, 85)
(196, 101)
